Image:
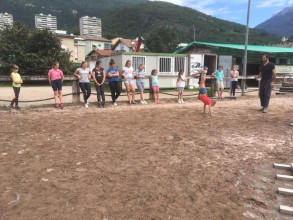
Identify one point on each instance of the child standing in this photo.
(113, 79)
(128, 81)
(155, 85)
(140, 82)
(99, 76)
(219, 74)
(234, 81)
(16, 84)
(180, 85)
(55, 78)
(84, 75)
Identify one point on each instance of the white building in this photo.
(91, 26)
(5, 20)
(46, 21)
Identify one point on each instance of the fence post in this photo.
(75, 92)
(151, 94)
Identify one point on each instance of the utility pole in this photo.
(245, 50)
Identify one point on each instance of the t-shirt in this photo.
(181, 83)
(267, 71)
(219, 74)
(84, 73)
(17, 77)
(140, 73)
(127, 72)
(99, 74)
(235, 73)
(55, 74)
(155, 81)
(113, 71)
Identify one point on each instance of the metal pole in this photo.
(245, 50)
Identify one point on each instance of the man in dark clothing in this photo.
(268, 77)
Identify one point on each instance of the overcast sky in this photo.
(236, 10)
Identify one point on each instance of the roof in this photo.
(127, 42)
(101, 53)
(114, 41)
(254, 48)
(96, 38)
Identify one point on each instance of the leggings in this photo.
(115, 90)
(16, 94)
(86, 90)
(233, 87)
(100, 92)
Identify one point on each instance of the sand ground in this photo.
(167, 161)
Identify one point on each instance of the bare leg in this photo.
(56, 97)
(133, 91)
(60, 96)
(210, 110)
(128, 91)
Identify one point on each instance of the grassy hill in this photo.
(68, 12)
(139, 20)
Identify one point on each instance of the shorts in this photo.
(220, 84)
(140, 86)
(56, 85)
(205, 99)
(156, 88)
(128, 81)
(202, 91)
(180, 89)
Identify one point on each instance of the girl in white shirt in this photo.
(180, 85)
(128, 81)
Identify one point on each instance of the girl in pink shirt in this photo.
(56, 77)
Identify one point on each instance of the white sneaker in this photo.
(182, 101)
(115, 103)
(179, 101)
(145, 102)
(86, 105)
(142, 102)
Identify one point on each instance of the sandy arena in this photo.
(146, 162)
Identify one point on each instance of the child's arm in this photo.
(104, 77)
(177, 81)
(49, 79)
(16, 81)
(90, 74)
(62, 77)
(94, 77)
(77, 74)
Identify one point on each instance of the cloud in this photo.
(271, 3)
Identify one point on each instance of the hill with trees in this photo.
(68, 12)
(142, 19)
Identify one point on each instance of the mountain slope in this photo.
(280, 24)
(68, 12)
(138, 20)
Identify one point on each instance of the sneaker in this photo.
(182, 101)
(86, 105)
(265, 110)
(99, 105)
(261, 109)
(179, 101)
(142, 102)
(56, 105)
(115, 103)
(158, 101)
(10, 106)
(17, 108)
(133, 102)
(145, 102)
(61, 106)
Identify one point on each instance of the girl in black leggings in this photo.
(84, 75)
(234, 81)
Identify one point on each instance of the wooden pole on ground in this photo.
(75, 92)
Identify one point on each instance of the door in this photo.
(226, 62)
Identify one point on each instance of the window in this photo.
(165, 65)
(107, 46)
(179, 63)
(136, 61)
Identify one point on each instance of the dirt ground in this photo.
(146, 162)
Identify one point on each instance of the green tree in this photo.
(162, 40)
(33, 51)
